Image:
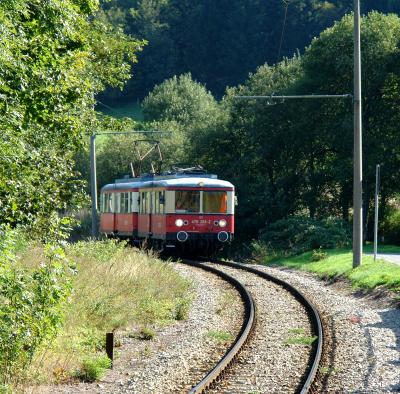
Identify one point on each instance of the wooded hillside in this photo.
(220, 42)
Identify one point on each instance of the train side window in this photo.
(124, 203)
(110, 203)
(162, 202)
(157, 202)
(105, 202)
(131, 203)
(187, 201)
(148, 202)
(121, 203)
(117, 202)
(215, 202)
(128, 202)
(142, 202)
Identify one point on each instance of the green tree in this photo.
(54, 58)
(180, 99)
(295, 157)
(325, 71)
(220, 42)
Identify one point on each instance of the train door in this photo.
(134, 196)
(124, 218)
(107, 208)
(158, 215)
(145, 214)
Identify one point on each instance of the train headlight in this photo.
(178, 222)
(222, 223)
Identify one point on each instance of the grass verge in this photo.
(115, 288)
(338, 263)
(220, 336)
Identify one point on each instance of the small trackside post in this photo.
(110, 346)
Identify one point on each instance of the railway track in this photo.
(216, 374)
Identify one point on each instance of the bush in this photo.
(183, 308)
(146, 334)
(93, 368)
(318, 255)
(31, 301)
(391, 228)
(299, 234)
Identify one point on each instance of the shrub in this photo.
(318, 255)
(93, 368)
(183, 308)
(391, 228)
(298, 234)
(146, 334)
(31, 302)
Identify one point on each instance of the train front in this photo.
(201, 214)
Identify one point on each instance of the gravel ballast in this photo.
(276, 357)
(364, 335)
(362, 354)
(181, 354)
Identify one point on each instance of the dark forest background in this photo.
(220, 42)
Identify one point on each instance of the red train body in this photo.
(182, 210)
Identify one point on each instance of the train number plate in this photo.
(201, 222)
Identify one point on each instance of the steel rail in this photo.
(311, 309)
(247, 327)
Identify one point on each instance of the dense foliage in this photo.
(300, 234)
(31, 305)
(55, 56)
(220, 42)
(53, 60)
(295, 157)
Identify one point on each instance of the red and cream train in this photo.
(186, 210)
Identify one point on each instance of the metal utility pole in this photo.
(93, 175)
(93, 183)
(377, 185)
(357, 180)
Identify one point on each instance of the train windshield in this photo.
(214, 202)
(187, 201)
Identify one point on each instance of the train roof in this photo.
(189, 182)
(167, 182)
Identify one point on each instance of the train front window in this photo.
(187, 201)
(214, 202)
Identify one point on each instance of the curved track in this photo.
(215, 374)
(247, 327)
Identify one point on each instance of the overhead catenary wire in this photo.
(108, 107)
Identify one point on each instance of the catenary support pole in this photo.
(93, 183)
(357, 181)
(377, 185)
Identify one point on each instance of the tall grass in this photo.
(116, 288)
